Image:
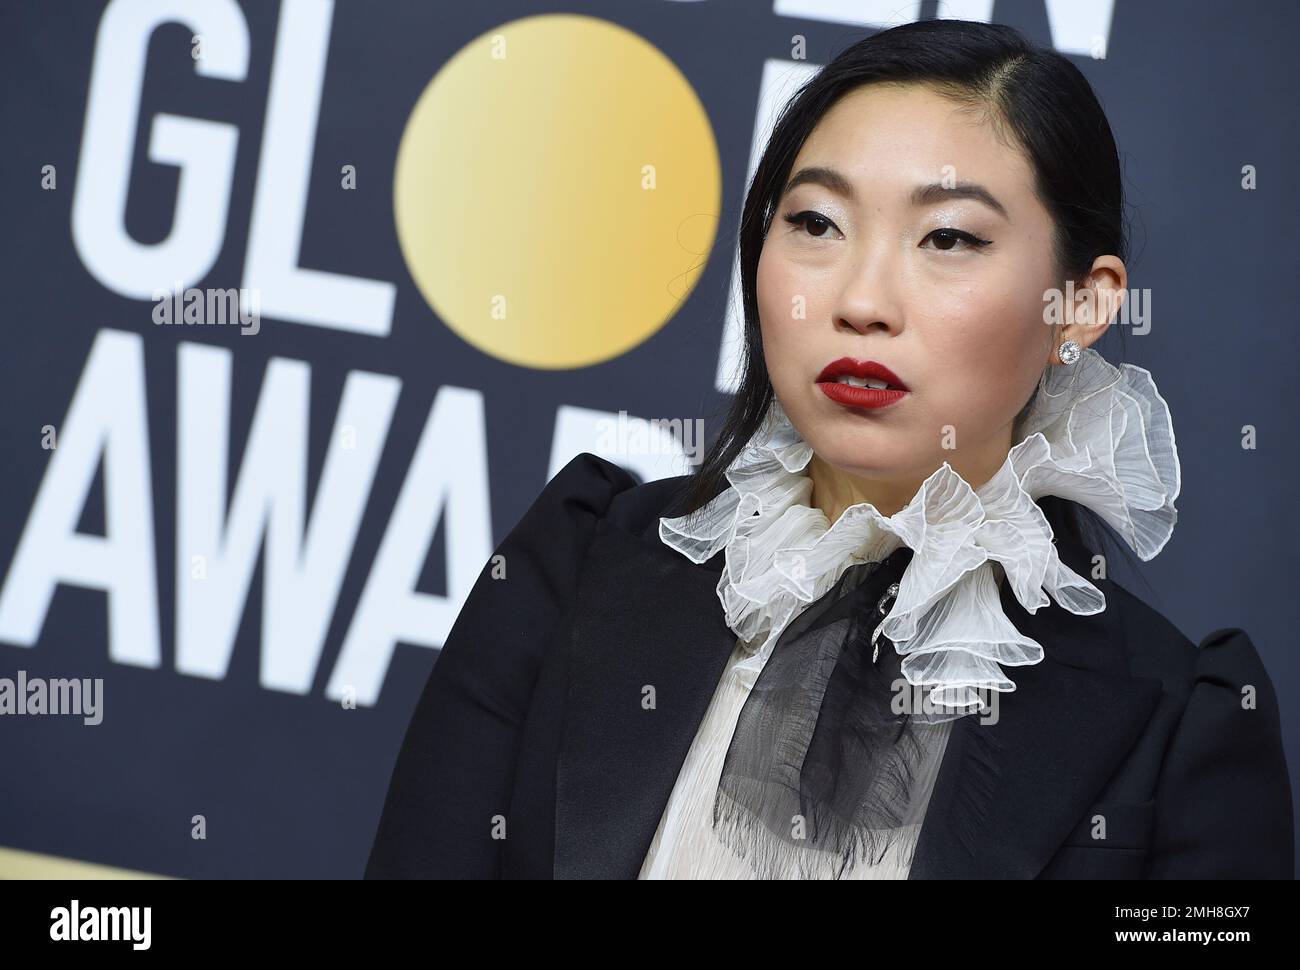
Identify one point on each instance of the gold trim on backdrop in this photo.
(17, 864)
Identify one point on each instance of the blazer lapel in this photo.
(643, 663)
(1008, 793)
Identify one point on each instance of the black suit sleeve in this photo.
(455, 769)
(1223, 801)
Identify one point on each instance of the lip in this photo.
(851, 367)
(860, 397)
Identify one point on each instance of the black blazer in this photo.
(531, 725)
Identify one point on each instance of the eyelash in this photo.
(801, 219)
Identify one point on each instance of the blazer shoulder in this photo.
(637, 510)
(1224, 802)
(598, 487)
(581, 492)
(1157, 647)
(589, 481)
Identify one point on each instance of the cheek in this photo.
(777, 286)
(988, 348)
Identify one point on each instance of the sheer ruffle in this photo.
(821, 774)
(1098, 435)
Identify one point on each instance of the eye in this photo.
(810, 220)
(946, 240)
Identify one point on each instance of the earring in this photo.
(1069, 352)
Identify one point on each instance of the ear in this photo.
(1097, 298)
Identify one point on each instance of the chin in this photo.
(846, 456)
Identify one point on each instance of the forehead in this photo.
(892, 137)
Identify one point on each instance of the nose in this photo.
(868, 300)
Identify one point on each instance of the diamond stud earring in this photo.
(1069, 352)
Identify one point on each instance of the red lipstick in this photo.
(855, 395)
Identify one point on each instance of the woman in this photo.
(791, 664)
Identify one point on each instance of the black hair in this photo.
(1037, 100)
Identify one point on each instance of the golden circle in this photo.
(557, 191)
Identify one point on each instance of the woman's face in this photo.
(904, 265)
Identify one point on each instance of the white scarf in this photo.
(1097, 435)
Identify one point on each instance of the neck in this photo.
(834, 489)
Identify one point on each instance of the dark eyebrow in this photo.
(922, 195)
(938, 192)
(825, 177)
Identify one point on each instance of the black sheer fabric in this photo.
(825, 766)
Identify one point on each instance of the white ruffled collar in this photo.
(1097, 435)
